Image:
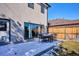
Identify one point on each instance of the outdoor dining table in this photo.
(46, 37)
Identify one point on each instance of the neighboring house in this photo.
(64, 29)
(20, 21)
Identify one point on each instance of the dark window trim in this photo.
(42, 8)
(8, 20)
(3, 25)
(31, 5)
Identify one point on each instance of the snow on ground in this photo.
(25, 49)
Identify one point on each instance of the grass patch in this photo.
(71, 46)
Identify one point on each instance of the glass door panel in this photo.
(32, 30)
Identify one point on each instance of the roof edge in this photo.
(47, 4)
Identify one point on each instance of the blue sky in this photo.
(64, 10)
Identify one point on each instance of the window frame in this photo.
(42, 9)
(31, 5)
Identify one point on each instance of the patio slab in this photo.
(27, 49)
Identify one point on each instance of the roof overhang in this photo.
(47, 5)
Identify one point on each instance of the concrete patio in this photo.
(33, 48)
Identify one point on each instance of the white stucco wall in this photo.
(22, 13)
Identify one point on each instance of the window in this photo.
(42, 8)
(31, 5)
(3, 26)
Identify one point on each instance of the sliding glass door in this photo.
(32, 30)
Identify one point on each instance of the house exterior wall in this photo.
(65, 32)
(22, 13)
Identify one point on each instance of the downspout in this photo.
(47, 20)
(9, 30)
